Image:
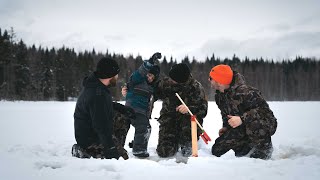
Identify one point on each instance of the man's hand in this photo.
(123, 153)
(124, 91)
(182, 109)
(222, 130)
(234, 121)
(111, 153)
(125, 110)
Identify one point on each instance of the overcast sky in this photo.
(255, 28)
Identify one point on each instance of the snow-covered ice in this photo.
(36, 140)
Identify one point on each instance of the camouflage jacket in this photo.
(244, 101)
(191, 92)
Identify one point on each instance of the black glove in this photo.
(127, 111)
(131, 144)
(111, 153)
(155, 57)
(118, 107)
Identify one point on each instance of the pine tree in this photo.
(22, 72)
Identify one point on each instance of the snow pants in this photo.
(175, 133)
(253, 137)
(142, 133)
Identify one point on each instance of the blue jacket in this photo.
(140, 91)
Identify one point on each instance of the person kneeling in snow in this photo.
(94, 115)
(248, 122)
(175, 123)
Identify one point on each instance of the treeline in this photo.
(38, 73)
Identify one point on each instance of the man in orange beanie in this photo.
(248, 122)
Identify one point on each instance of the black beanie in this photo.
(107, 68)
(155, 70)
(179, 73)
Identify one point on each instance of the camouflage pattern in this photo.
(258, 121)
(96, 151)
(122, 119)
(174, 128)
(121, 125)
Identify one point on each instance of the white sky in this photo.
(271, 28)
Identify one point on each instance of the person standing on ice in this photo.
(175, 122)
(248, 122)
(139, 96)
(94, 115)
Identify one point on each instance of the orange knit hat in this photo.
(222, 74)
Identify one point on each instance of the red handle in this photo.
(204, 139)
(206, 136)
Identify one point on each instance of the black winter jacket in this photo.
(93, 116)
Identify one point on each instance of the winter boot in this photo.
(263, 151)
(140, 142)
(242, 150)
(79, 152)
(141, 154)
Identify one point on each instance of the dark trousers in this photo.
(175, 132)
(142, 133)
(95, 151)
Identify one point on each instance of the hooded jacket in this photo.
(93, 116)
(140, 92)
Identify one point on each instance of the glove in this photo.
(127, 111)
(155, 57)
(123, 153)
(131, 144)
(118, 107)
(111, 153)
(222, 130)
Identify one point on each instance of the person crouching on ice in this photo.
(248, 122)
(174, 120)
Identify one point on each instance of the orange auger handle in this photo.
(194, 137)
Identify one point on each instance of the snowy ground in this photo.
(36, 139)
